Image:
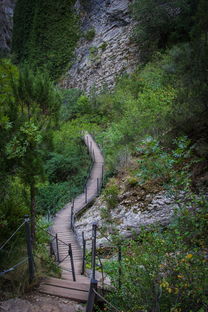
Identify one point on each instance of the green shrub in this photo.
(111, 193)
(103, 46)
(93, 53)
(168, 167)
(90, 34)
(132, 181)
(165, 270)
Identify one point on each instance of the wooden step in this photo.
(73, 294)
(67, 284)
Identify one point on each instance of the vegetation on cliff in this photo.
(45, 34)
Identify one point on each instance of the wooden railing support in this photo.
(91, 296)
(93, 282)
(72, 215)
(72, 263)
(84, 253)
(57, 248)
(94, 233)
(29, 249)
(98, 187)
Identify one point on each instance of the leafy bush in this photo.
(167, 166)
(111, 194)
(132, 181)
(165, 270)
(90, 34)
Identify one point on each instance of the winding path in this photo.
(65, 287)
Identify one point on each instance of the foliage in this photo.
(180, 26)
(28, 114)
(169, 167)
(139, 104)
(111, 194)
(47, 35)
(46, 264)
(161, 25)
(69, 108)
(90, 34)
(165, 270)
(103, 45)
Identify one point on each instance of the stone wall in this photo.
(6, 25)
(99, 60)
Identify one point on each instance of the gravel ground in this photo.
(40, 303)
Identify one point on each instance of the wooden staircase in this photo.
(77, 291)
(65, 287)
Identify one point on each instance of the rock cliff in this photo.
(105, 49)
(6, 24)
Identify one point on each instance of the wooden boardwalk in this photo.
(65, 287)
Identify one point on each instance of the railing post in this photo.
(93, 283)
(29, 249)
(93, 154)
(72, 215)
(94, 233)
(102, 174)
(87, 141)
(72, 263)
(51, 248)
(91, 296)
(57, 248)
(98, 186)
(84, 254)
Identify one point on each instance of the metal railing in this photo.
(29, 259)
(99, 184)
(93, 291)
(54, 251)
(53, 247)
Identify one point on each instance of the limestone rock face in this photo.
(128, 217)
(109, 51)
(6, 25)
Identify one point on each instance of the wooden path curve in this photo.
(65, 287)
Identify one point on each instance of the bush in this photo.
(170, 168)
(165, 270)
(111, 194)
(160, 25)
(90, 34)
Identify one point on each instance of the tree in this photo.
(160, 25)
(29, 115)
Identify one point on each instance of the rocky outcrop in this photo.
(105, 49)
(6, 25)
(135, 210)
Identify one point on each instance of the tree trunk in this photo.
(32, 210)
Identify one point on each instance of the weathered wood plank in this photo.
(67, 284)
(79, 296)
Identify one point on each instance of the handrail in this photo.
(99, 182)
(6, 242)
(13, 267)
